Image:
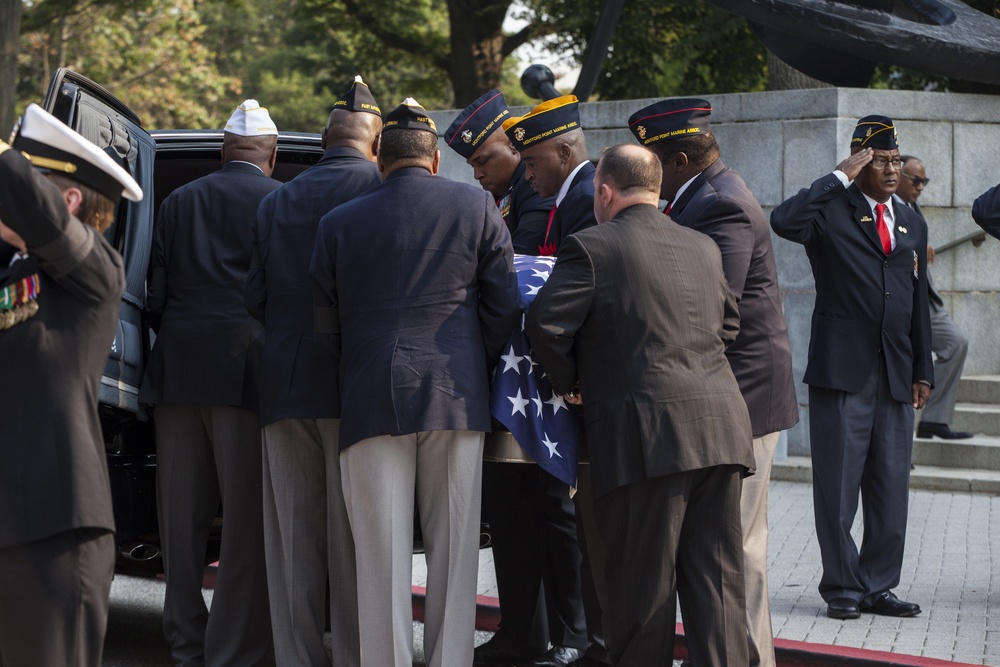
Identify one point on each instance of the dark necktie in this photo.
(883, 231)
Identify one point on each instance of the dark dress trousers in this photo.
(575, 211)
(638, 311)
(986, 211)
(202, 378)
(56, 520)
(870, 342)
(719, 204)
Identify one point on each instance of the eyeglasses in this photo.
(917, 181)
(879, 162)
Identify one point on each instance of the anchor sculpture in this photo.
(841, 41)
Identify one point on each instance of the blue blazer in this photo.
(576, 211)
(299, 375)
(415, 279)
(865, 301)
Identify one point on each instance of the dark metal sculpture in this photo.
(841, 41)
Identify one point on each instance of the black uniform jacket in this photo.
(986, 211)
(299, 377)
(526, 213)
(867, 303)
(718, 203)
(417, 275)
(575, 212)
(53, 470)
(207, 349)
(638, 311)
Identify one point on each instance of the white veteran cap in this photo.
(251, 120)
(51, 145)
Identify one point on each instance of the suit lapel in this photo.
(864, 217)
(711, 171)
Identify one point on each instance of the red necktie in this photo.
(548, 249)
(883, 230)
(666, 211)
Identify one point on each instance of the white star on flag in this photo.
(544, 275)
(538, 403)
(533, 289)
(551, 446)
(557, 403)
(519, 403)
(510, 360)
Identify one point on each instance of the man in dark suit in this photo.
(949, 345)
(531, 515)
(60, 291)
(637, 311)
(418, 318)
(307, 534)
(554, 153)
(708, 197)
(986, 211)
(869, 364)
(202, 378)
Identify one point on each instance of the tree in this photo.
(10, 28)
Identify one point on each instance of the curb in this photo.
(788, 653)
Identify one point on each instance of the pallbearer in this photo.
(531, 516)
(60, 287)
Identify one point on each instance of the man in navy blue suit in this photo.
(307, 534)
(869, 364)
(202, 378)
(415, 283)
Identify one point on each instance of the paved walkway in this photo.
(951, 569)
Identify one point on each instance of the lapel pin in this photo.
(903, 229)
(866, 218)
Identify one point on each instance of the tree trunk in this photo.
(782, 76)
(477, 47)
(10, 30)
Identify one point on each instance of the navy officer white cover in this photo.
(521, 397)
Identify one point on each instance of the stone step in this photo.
(981, 452)
(979, 389)
(978, 418)
(925, 477)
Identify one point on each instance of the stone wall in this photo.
(781, 141)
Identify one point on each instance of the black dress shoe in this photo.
(557, 656)
(843, 608)
(887, 604)
(496, 653)
(943, 431)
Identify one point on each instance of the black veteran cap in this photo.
(358, 98)
(670, 119)
(409, 116)
(479, 120)
(50, 145)
(875, 132)
(547, 120)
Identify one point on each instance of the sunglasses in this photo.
(917, 181)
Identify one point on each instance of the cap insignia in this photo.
(642, 131)
(467, 136)
(519, 134)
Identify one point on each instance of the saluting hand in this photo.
(853, 165)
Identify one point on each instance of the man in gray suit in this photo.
(637, 312)
(60, 290)
(707, 196)
(415, 282)
(949, 345)
(307, 534)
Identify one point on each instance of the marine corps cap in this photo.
(875, 132)
(409, 116)
(52, 146)
(358, 98)
(549, 119)
(670, 119)
(474, 125)
(251, 120)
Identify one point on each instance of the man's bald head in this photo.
(352, 129)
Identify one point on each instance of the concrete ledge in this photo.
(927, 478)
